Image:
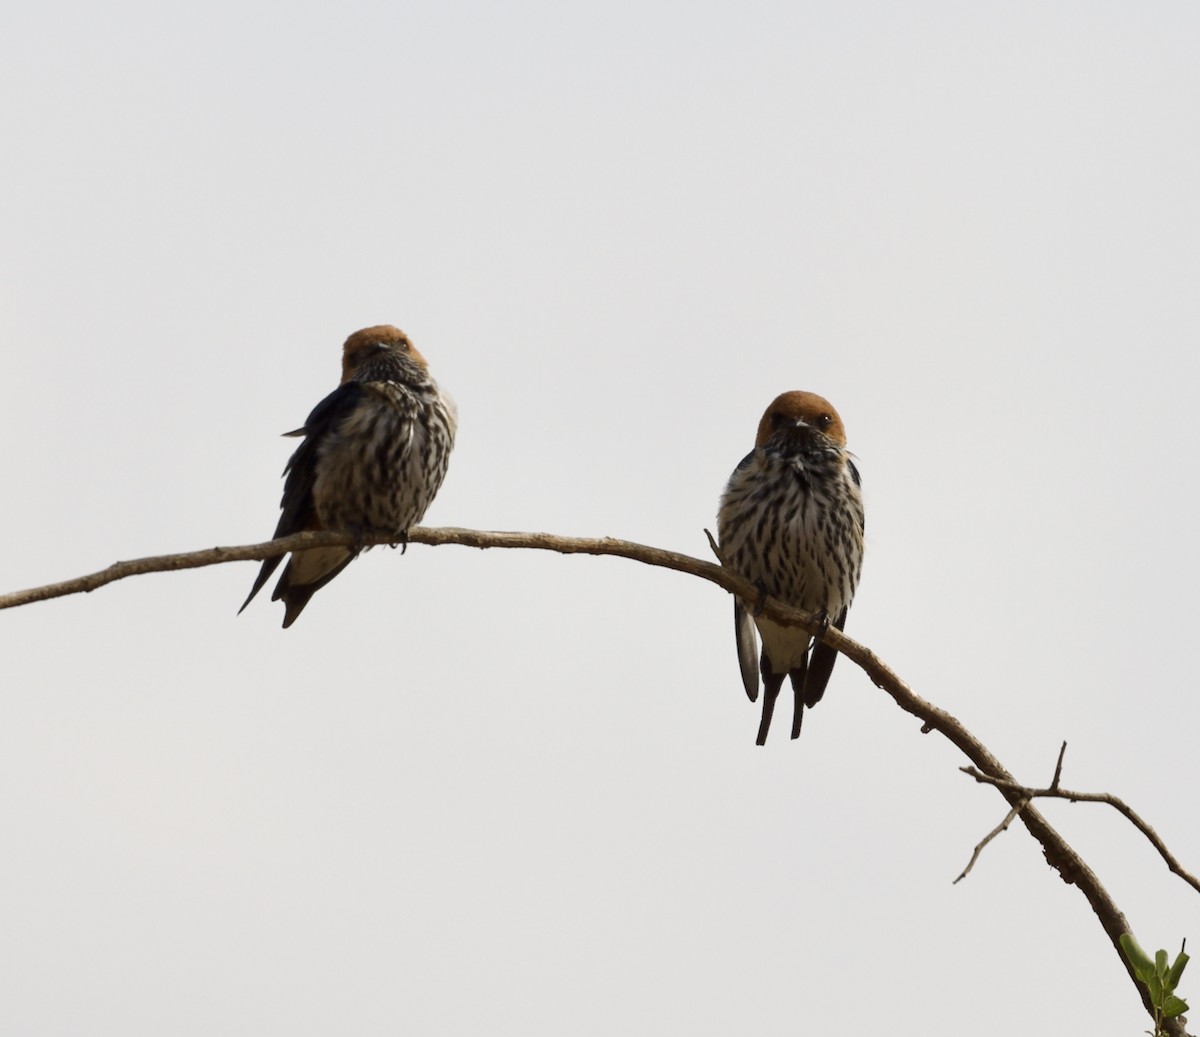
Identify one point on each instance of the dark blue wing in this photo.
(299, 513)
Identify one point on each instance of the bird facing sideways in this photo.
(374, 453)
(791, 522)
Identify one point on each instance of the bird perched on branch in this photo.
(374, 454)
(791, 522)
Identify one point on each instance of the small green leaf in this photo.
(1138, 958)
(1160, 964)
(1174, 1006)
(1156, 989)
(1176, 971)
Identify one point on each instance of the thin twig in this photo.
(1059, 855)
(716, 549)
(1001, 827)
(1054, 792)
(1058, 766)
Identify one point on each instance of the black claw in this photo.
(760, 605)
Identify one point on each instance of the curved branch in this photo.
(420, 535)
(1059, 855)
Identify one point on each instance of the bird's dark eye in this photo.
(824, 421)
(778, 420)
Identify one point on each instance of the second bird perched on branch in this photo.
(791, 521)
(374, 454)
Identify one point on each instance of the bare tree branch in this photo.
(1059, 855)
(1001, 827)
(1054, 792)
(432, 537)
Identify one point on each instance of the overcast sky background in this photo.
(510, 792)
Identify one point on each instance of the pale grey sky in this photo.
(516, 793)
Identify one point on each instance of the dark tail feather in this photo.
(820, 666)
(296, 595)
(269, 566)
(772, 682)
(798, 676)
(294, 600)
